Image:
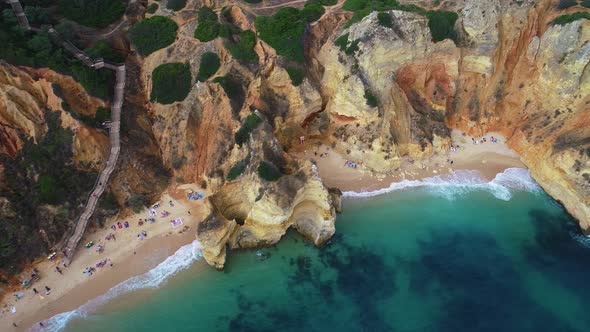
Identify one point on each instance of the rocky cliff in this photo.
(254, 210)
(510, 70)
(377, 90)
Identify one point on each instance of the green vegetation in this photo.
(296, 75)
(137, 202)
(563, 4)
(208, 25)
(244, 48)
(238, 169)
(41, 173)
(253, 1)
(152, 8)
(311, 12)
(92, 13)
(385, 20)
(231, 86)
(268, 171)
(345, 46)
(102, 114)
(37, 15)
(568, 18)
(152, 34)
(284, 31)
(372, 101)
(209, 65)
(171, 82)
(243, 134)
(175, 5)
(97, 82)
(441, 23)
(49, 189)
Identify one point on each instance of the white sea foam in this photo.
(180, 260)
(462, 181)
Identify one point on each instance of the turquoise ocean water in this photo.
(445, 254)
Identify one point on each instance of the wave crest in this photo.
(464, 181)
(183, 258)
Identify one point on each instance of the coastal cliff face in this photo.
(510, 71)
(376, 93)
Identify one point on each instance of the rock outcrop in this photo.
(251, 212)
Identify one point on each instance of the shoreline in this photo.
(489, 159)
(130, 257)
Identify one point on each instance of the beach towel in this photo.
(176, 222)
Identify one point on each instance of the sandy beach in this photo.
(132, 256)
(487, 158)
(129, 255)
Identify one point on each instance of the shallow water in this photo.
(459, 258)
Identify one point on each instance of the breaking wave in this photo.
(462, 182)
(180, 260)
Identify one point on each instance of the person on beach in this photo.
(35, 291)
(58, 270)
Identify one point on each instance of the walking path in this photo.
(114, 127)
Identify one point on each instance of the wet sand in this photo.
(488, 158)
(130, 257)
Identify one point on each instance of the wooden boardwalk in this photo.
(114, 127)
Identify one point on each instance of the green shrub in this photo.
(237, 170)
(37, 15)
(49, 189)
(209, 65)
(269, 172)
(92, 13)
(231, 86)
(442, 25)
(227, 30)
(243, 134)
(96, 82)
(284, 32)
(372, 101)
(244, 49)
(296, 75)
(102, 49)
(208, 25)
(152, 34)
(312, 12)
(345, 46)
(253, 1)
(171, 82)
(563, 4)
(102, 114)
(152, 8)
(385, 20)
(175, 5)
(565, 19)
(137, 202)
(342, 42)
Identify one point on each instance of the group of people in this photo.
(483, 140)
(47, 291)
(350, 164)
(142, 235)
